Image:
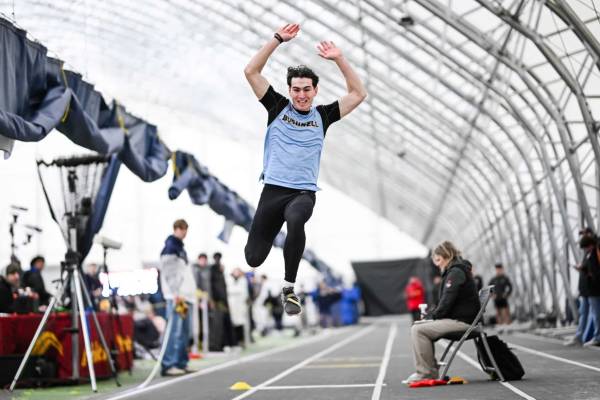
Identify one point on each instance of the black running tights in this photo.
(278, 205)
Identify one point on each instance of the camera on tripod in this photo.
(107, 243)
(76, 183)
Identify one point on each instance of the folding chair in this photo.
(475, 331)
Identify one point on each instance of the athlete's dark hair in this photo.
(301, 71)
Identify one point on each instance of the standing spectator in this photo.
(252, 280)
(93, 284)
(237, 292)
(202, 278)
(221, 328)
(326, 297)
(218, 283)
(177, 282)
(478, 280)
(274, 304)
(202, 275)
(588, 292)
(502, 290)
(259, 310)
(34, 280)
(414, 294)
(9, 285)
(593, 265)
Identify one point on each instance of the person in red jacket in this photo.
(414, 293)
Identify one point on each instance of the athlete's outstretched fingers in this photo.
(288, 32)
(291, 28)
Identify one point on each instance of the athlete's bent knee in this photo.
(253, 259)
(296, 221)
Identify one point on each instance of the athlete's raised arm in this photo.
(356, 91)
(253, 70)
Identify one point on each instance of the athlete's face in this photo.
(302, 93)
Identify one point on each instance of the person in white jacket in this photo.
(179, 289)
(237, 294)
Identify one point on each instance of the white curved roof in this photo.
(481, 122)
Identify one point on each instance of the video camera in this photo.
(107, 243)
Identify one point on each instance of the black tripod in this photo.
(71, 277)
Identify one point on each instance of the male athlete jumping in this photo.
(292, 153)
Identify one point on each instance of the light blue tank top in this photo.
(292, 152)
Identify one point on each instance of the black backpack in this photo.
(508, 363)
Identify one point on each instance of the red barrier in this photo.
(16, 332)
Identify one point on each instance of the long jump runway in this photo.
(369, 361)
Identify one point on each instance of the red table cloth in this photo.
(16, 332)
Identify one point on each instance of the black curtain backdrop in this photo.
(382, 283)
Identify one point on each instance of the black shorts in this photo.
(501, 303)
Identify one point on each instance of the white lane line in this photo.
(358, 385)
(556, 358)
(549, 340)
(517, 390)
(538, 338)
(336, 366)
(310, 359)
(204, 371)
(477, 366)
(384, 363)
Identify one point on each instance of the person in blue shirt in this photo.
(33, 279)
(292, 153)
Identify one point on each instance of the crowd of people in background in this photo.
(231, 305)
(232, 308)
(24, 292)
(235, 307)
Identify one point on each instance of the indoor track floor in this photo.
(370, 360)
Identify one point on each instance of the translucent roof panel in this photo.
(480, 126)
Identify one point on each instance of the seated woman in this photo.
(457, 308)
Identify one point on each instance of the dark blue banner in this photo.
(38, 95)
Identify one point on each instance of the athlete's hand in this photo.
(329, 51)
(289, 31)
